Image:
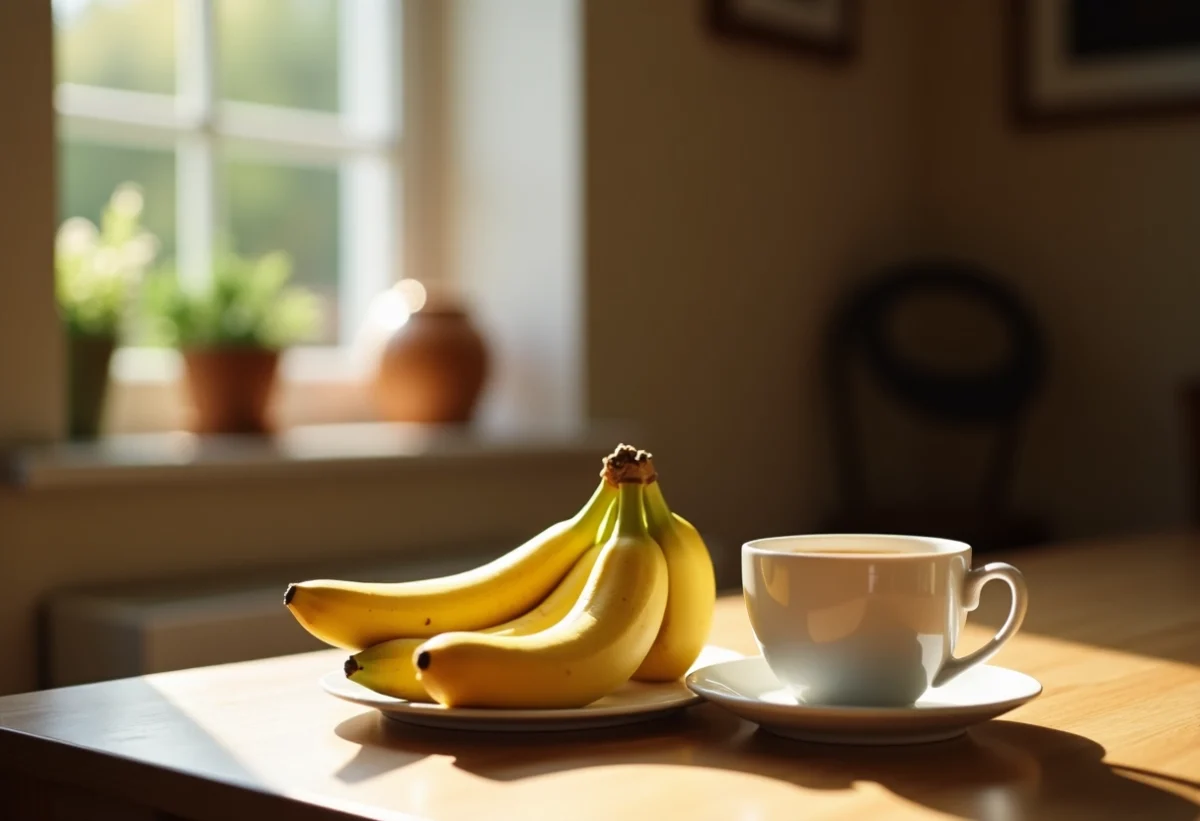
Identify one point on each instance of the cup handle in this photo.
(975, 579)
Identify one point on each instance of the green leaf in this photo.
(248, 304)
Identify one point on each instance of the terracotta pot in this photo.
(432, 369)
(230, 388)
(88, 358)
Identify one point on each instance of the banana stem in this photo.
(609, 523)
(658, 514)
(592, 514)
(631, 516)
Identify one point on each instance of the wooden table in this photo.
(1113, 634)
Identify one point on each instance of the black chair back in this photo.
(996, 398)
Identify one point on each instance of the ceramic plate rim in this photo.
(846, 710)
(336, 684)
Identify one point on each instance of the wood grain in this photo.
(1113, 634)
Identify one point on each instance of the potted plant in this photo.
(96, 271)
(230, 334)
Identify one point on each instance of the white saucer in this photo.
(633, 702)
(748, 688)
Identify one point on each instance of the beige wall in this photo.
(31, 364)
(513, 199)
(729, 191)
(1100, 225)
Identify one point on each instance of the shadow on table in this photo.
(54, 736)
(1149, 605)
(1002, 770)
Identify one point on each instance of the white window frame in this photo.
(362, 141)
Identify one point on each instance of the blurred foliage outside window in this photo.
(97, 266)
(272, 52)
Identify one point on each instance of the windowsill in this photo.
(301, 364)
(303, 450)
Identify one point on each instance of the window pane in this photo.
(88, 175)
(126, 44)
(279, 52)
(293, 209)
(90, 172)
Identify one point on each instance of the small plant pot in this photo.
(88, 357)
(231, 388)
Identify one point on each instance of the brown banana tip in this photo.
(423, 660)
(351, 667)
(289, 594)
(628, 464)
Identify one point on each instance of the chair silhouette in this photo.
(996, 399)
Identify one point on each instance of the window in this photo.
(269, 124)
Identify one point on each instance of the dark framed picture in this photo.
(822, 28)
(1088, 60)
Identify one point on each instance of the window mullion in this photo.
(196, 202)
(367, 186)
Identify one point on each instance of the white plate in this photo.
(748, 688)
(633, 702)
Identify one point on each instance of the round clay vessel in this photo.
(432, 369)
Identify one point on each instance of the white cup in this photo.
(866, 619)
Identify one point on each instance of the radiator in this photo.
(129, 630)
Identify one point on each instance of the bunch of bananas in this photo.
(622, 590)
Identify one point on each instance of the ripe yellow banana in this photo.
(388, 668)
(609, 525)
(691, 592)
(587, 655)
(357, 615)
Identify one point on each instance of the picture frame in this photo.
(826, 29)
(1088, 61)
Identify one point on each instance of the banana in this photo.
(357, 615)
(591, 652)
(609, 524)
(691, 592)
(388, 668)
